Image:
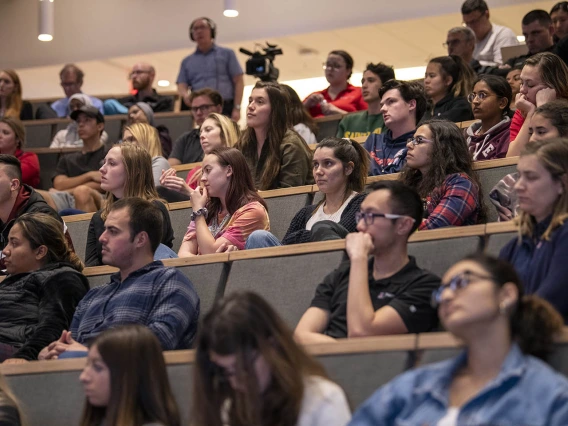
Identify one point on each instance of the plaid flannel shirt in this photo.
(163, 299)
(455, 203)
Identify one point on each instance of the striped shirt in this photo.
(163, 299)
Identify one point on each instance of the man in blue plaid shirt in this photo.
(142, 292)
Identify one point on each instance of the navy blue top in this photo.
(388, 155)
(542, 265)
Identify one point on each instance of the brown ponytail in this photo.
(535, 323)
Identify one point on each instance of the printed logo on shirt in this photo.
(348, 134)
(385, 295)
(488, 150)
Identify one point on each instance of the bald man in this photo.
(142, 77)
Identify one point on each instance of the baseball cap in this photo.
(89, 111)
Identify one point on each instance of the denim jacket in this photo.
(526, 392)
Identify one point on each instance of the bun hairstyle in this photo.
(211, 24)
(534, 322)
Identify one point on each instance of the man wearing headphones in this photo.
(211, 66)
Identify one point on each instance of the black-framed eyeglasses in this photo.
(417, 140)
(480, 95)
(457, 282)
(369, 217)
(201, 108)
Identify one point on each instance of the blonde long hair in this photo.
(139, 178)
(230, 134)
(148, 137)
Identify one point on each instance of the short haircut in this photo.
(385, 72)
(408, 91)
(470, 6)
(215, 96)
(467, 33)
(539, 15)
(12, 166)
(72, 68)
(148, 218)
(403, 199)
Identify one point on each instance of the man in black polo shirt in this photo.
(378, 295)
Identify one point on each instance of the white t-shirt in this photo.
(488, 50)
(306, 134)
(324, 404)
(320, 215)
(451, 417)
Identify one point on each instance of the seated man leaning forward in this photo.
(142, 292)
(386, 293)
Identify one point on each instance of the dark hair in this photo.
(277, 128)
(346, 57)
(560, 6)
(346, 151)
(534, 322)
(18, 128)
(72, 68)
(461, 73)
(557, 112)
(553, 72)
(297, 112)
(140, 391)
(470, 6)
(12, 166)
(499, 86)
(449, 155)
(385, 72)
(215, 96)
(144, 217)
(539, 15)
(41, 229)
(241, 189)
(238, 324)
(403, 199)
(408, 91)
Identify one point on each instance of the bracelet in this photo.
(200, 212)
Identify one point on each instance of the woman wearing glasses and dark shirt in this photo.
(439, 168)
(340, 97)
(490, 100)
(481, 302)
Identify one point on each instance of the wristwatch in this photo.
(201, 212)
(237, 107)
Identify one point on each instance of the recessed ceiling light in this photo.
(163, 83)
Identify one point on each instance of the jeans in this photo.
(261, 239)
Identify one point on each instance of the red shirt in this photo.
(350, 100)
(30, 167)
(516, 124)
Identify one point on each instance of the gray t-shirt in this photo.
(187, 148)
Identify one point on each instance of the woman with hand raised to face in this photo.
(226, 209)
(496, 380)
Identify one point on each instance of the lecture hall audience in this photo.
(12, 141)
(11, 103)
(142, 113)
(300, 120)
(71, 77)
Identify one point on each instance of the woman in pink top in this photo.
(340, 97)
(226, 209)
(216, 131)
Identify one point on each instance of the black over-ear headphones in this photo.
(211, 24)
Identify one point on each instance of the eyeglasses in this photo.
(201, 108)
(417, 140)
(480, 95)
(369, 217)
(336, 67)
(456, 283)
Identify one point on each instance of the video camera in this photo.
(261, 62)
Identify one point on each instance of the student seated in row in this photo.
(12, 141)
(540, 251)
(489, 138)
(380, 290)
(143, 291)
(276, 155)
(299, 118)
(440, 169)
(248, 371)
(370, 121)
(482, 303)
(402, 105)
(226, 209)
(340, 170)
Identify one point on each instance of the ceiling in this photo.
(105, 37)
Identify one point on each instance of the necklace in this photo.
(217, 227)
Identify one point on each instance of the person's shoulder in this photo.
(354, 116)
(458, 179)
(502, 30)
(542, 375)
(320, 388)
(421, 275)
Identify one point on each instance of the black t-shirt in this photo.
(187, 148)
(409, 292)
(77, 163)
